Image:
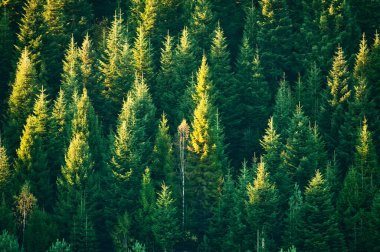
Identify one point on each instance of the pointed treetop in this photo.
(316, 182)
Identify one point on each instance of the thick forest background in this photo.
(189, 125)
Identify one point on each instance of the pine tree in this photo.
(8, 242)
(145, 212)
(78, 16)
(142, 55)
(319, 229)
(60, 246)
(201, 25)
(71, 76)
(206, 153)
(40, 232)
(73, 184)
(116, 70)
(31, 163)
(293, 219)
(5, 171)
(262, 209)
(163, 158)
(274, 39)
(20, 103)
(335, 100)
(165, 223)
(374, 231)
(284, 107)
(311, 97)
(54, 41)
(132, 147)
(7, 217)
(303, 153)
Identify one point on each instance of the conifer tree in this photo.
(79, 16)
(8, 242)
(311, 97)
(375, 221)
(31, 163)
(116, 67)
(60, 246)
(262, 209)
(54, 42)
(5, 171)
(165, 89)
(303, 153)
(206, 160)
(319, 229)
(335, 100)
(293, 219)
(165, 223)
(145, 212)
(284, 107)
(20, 103)
(73, 184)
(251, 24)
(162, 158)
(142, 55)
(131, 149)
(71, 76)
(201, 25)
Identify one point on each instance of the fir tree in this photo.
(8, 242)
(73, 184)
(165, 223)
(162, 158)
(60, 246)
(374, 231)
(284, 107)
(201, 25)
(311, 97)
(79, 16)
(71, 75)
(319, 229)
(293, 219)
(5, 171)
(31, 163)
(262, 209)
(335, 100)
(20, 103)
(116, 70)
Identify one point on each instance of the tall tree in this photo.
(319, 229)
(293, 219)
(163, 156)
(165, 223)
(20, 103)
(283, 107)
(201, 25)
(71, 75)
(31, 163)
(262, 210)
(116, 69)
(6, 175)
(79, 17)
(206, 163)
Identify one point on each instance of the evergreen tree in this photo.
(293, 219)
(283, 108)
(73, 184)
(31, 163)
(335, 100)
(54, 41)
(60, 246)
(162, 158)
(121, 232)
(5, 171)
(131, 149)
(142, 55)
(20, 103)
(145, 212)
(40, 232)
(78, 16)
(165, 223)
(8, 242)
(262, 209)
(205, 159)
(374, 232)
(319, 229)
(201, 25)
(71, 76)
(304, 152)
(311, 96)
(116, 70)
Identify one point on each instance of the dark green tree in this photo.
(262, 210)
(71, 76)
(78, 17)
(60, 246)
(283, 107)
(311, 95)
(163, 156)
(319, 229)
(165, 223)
(8, 242)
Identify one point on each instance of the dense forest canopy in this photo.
(189, 125)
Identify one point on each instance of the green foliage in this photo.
(293, 219)
(121, 233)
(319, 229)
(165, 223)
(60, 246)
(8, 242)
(284, 107)
(5, 170)
(142, 57)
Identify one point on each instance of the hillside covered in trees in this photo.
(189, 125)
